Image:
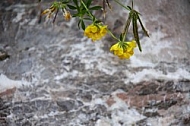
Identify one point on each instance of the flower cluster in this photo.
(95, 31)
(83, 10)
(66, 15)
(124, 50)
(54, 9)
(49, 12)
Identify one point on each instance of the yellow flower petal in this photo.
(52, 8)
(95, 32)
(117, 49)
(114, 47)
(94, 29)
(132, 44)
(46, 11)
(121, 52)
(67, 16)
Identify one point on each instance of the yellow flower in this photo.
(95, 32)
(49, 11)
(124, 50)
(67, 15)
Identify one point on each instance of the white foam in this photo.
(151, 74)
(151, 49)
(122, 113)
(6, 83)
(19, 16)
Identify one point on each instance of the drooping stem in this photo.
(90, 14)
(55, 15)
(113, 35)
(122, 5)
(135, 30)
(132, 4)
(125, 30)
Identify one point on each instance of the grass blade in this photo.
(135, 30)
(143, 28)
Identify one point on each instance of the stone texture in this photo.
(73, 82)
(160, 102)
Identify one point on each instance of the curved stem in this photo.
(125, 30)
(87, 9)
(122, 5)
(132, 4)
(113, 35)
(55, 15)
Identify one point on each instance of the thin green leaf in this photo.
(129, 8)
(122, 5)
(121, 37)
(143, 28)
(89, 19)
(123, 45)
(79, 24)
(76, 3)
(137, 12)
(94, 19)
(126, 28)
(135, 30)
(71, 7)
(95, 8)
(88, 3)
(97, 21)
(75, 15)
(65, 2)
(82, 25)
(83, 12)
(132, 4)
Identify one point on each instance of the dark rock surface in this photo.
(56, 77)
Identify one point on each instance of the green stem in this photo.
(113, 35)
(122, 5)
(125, 30)
(132, 4)
(87, 10)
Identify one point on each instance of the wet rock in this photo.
(142, 122)
(166, 100)
(151, 88)
(169, 87)
(8, 94)
(86, 97)
(24, 66)
(186, 119)
(63, 94)
(47, 74)
(86, 74)
(4, 111)
(3, 55)
(106, 83)
(100, 110)
(68, 105)
(183, 86)
(42, 105)
(102, 122)
(19, 68)
(22, 109)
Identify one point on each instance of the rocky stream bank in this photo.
(51, 75)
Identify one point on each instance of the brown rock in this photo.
(110, 101)
(8, 93)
